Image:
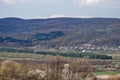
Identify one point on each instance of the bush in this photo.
(10, 70)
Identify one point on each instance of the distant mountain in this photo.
(56, 32)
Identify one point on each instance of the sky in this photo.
(59, 8)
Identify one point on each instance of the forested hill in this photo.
(59, 31)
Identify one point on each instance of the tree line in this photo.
(77, 55)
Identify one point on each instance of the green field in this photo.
(106, 73)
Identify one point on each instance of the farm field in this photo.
(105, 73)
(96, 67)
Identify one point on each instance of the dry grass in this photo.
(53, 67)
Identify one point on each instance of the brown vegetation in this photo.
(54, 68)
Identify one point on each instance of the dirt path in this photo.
(105, 77)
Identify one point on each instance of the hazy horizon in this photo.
(31, 9)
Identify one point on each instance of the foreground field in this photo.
(54, 68)
(25, 66)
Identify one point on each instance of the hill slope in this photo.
(59, 32)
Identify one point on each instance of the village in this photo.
(81, 48)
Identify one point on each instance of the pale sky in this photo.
(59, 8)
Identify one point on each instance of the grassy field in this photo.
(115, 56)
(28, 56)
(20, 55)
(106, 73)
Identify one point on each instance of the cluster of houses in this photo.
(82, 48)
(88, 48)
